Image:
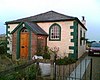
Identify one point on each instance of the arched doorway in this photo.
(24, 43)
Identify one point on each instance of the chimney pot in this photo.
(83, 21)
(83, 18)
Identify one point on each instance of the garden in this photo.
(28, 70)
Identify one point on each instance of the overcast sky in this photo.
(16, 9)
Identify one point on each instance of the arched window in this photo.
(55, 32)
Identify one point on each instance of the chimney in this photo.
(83, 21)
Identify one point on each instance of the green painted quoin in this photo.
(74, 40)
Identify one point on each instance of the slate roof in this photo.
(34, 27)
(47, 16)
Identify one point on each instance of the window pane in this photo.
(55, 34)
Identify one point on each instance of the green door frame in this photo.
(18, 41)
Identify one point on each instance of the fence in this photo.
(22, 72)
(81, 70)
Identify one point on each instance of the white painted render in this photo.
(66, 37)
(11, 28)
(65, 42)
(81, 48)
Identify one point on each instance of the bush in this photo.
(28, 73)
(31, 72)
(71, 61)
(46, 56)
(3, 47)
(60, 62)
(65, 61)
(39, 54)
(9, 55)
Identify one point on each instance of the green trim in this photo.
(80, 23)
(18, 40)
(80, 37)
(75, 40)
(20, 24)
(59, 33)
(71, 47)
(8, 48)
(72, 40)
(71, 27)
(8, 26)
(18, 45)
(7, 42)
(8, 32)
(6, 37)
(29, 48)
(84, 39)
(72, 33)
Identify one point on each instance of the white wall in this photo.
(12, 27)
(81, 48)
(65, 36)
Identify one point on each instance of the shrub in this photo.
(9, 55)
(39, 54)
(28, 73)
(31, 72)
(2, 47)
(71, 61)
(46, 56)
(60, 62)
(65, 61)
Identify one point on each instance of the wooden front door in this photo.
(24, 44)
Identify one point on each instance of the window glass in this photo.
(24, 30)
(55, 32)
(80, 36)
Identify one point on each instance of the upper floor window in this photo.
(55, 32)
(80, 36)
(84, 38)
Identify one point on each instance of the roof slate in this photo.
(35, 28)
(47, 16)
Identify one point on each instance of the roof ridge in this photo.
(45, 16)
(61, 14)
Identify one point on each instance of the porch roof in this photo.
(33, 26)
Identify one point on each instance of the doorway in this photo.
(24, 43)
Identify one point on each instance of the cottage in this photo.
(51, 29)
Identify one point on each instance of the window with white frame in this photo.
(55, 32)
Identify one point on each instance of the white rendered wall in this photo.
(65, 36)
